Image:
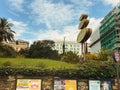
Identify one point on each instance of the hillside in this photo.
(34, 63)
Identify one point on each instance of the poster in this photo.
(65, 85)
(70, 85)
(94, 85)
(106, 85)
(28, 84)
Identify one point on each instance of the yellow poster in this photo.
(28, 84)
(70, 85)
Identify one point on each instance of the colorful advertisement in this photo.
(94, 85)
(28, 84)
(106, 85)
(65, 85)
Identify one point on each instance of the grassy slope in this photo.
(34, 63)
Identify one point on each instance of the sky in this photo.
(53, 19)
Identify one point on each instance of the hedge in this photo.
(81, 72)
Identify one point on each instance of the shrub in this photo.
(7, 64)
(71, 57)
(7, 51)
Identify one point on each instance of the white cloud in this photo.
(59, 18)
(18, 26)
(53, 15)
(69, 32)
(57, 15)
(111, 2)
(94, 23)
(16, 4)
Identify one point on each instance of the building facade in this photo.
(109, 31)
(95, 44)
(18, 44)
(69, 46)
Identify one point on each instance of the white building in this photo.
(69, 46)
(95, 45)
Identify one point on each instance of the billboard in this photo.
(106, 85)
(100, 85)
(28, 84)
(65, 84)
(94, 84)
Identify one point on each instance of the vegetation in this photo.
(95, 67)
(41, 49)
(71, 57)
(6, 33)
(106, 55)
(7, 51)
(34, 63)
(40, 67)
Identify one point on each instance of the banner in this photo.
(94, 85)
(65, 85)
(28, 84)
(106, 85)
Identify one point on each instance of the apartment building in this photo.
(69, 46)
(109, 31)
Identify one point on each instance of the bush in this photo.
(71, 57)
(6, 64)
(7, 51)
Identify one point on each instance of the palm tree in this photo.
(6, 34)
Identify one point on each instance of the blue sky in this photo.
(52, 19)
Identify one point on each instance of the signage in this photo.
(116, 55)
(106, 85)
(28, 84)
(65, 84)
(94, 84)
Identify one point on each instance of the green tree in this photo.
(43, 49)
(23, 53)
(7, 51)
(5, 30)
(106, 55)
(71, 57)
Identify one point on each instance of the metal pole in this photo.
(117, 64)
(64, 46)
(117, 70)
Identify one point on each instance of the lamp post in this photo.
(116, 53)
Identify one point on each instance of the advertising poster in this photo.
(65, 85)
(70, 85)
(106, 85)
(28, 84)
(59, 84)
(94, 85)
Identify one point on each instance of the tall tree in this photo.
(6, 33)
(43, 49)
